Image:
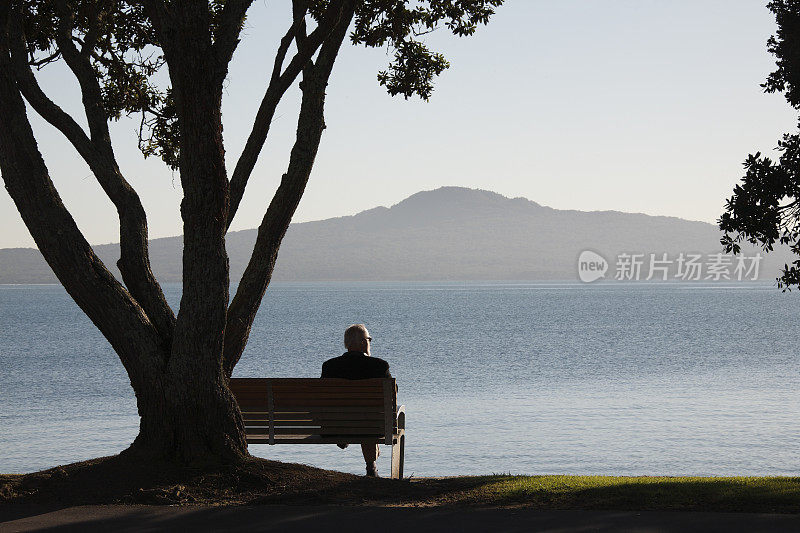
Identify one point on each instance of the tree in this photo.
(765, 206)
(179, 365)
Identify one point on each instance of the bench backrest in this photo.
(279, 410)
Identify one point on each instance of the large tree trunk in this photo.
(189, 419)
(188, 413)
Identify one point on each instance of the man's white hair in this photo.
(354, 334)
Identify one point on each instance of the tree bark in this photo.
(192, 409)
(189, 419)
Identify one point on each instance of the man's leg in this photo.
(371, 451)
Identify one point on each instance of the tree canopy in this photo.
(765, 207)
(123, 49)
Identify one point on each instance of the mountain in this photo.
(451, 233)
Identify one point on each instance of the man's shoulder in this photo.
(333, 360)
(379, 363)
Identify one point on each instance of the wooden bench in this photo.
(322, 411)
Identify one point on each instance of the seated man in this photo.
(356, 363)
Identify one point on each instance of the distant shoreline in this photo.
(448, 234)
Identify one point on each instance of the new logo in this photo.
(591, 266)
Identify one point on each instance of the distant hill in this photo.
(451, 233)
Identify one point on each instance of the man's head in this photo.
(357, 339)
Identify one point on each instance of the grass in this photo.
(742, 494)
(260, 481)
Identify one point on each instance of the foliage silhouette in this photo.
(765, 206)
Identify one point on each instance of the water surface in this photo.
(526, 378)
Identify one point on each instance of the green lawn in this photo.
(746, 494)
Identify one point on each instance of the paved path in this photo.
(370, 519)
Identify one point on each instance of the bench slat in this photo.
(327, 419)
(318, 424)
(344, 385)
(317, 382)
(324, 413)
(307, 439)
(333, 423)
(327, 394)
(371, 395)
(329, 432)
(299, 415)
(340, 393)
(344, 406)
(374, 422)
(329, 409)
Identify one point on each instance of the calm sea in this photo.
(526, 378)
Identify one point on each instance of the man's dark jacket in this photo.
(355, 365)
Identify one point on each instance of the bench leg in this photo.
(398, 456)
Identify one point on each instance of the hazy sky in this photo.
(632, 105)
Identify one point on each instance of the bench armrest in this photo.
(401, 418)
(399, 444)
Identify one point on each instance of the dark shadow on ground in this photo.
(119, 480)
(418, 520)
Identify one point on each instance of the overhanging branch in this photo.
(80, 65)
(279, 84)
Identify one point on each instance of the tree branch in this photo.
(299, 10)
(134, 263)
(230, 25)
(279, 84)
(104, 300)
(80, 65)
(276, 221)
(48, 110)
(38, 63)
